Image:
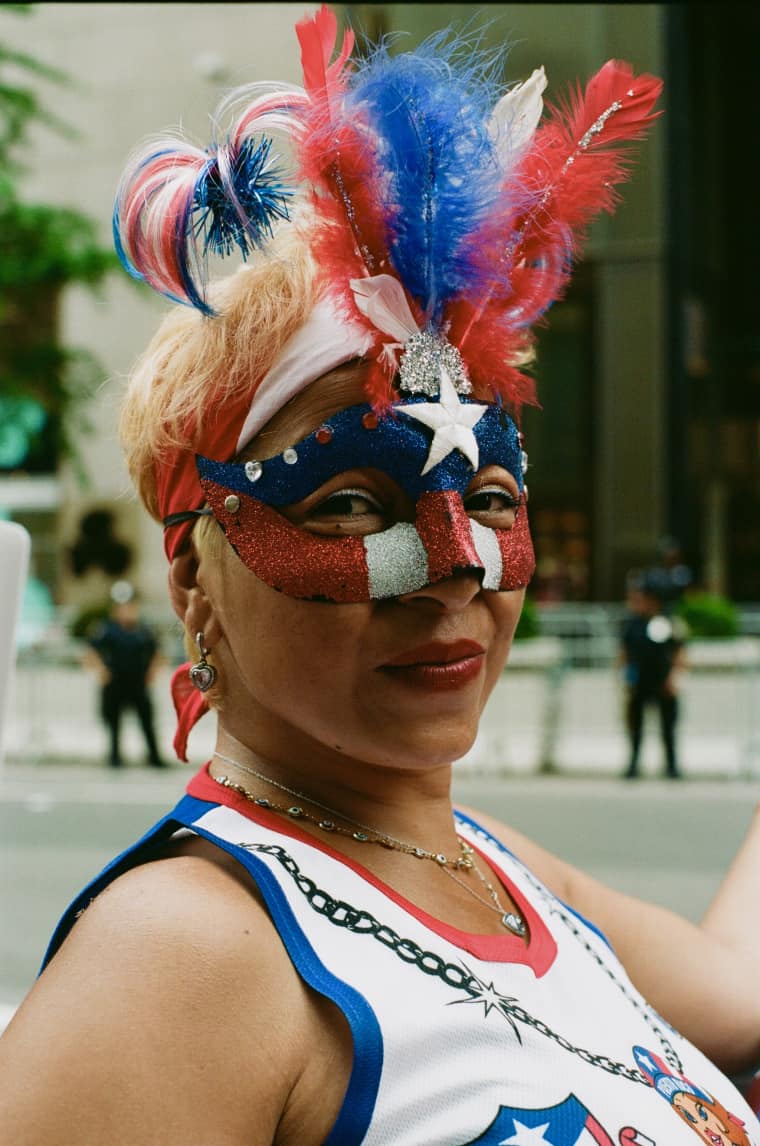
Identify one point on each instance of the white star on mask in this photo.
(452, 424)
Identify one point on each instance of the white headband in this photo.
(327, 339)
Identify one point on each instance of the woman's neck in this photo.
(412, 803)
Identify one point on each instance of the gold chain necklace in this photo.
(366, 834)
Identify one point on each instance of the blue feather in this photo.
(188, 283)
(216, 223)
(429, 114)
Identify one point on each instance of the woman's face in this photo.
(400, 681)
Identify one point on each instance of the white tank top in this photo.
(462, 1039)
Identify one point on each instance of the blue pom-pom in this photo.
(219, 222)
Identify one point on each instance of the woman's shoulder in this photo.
(174, 984)
(189, 891)
(190, 919)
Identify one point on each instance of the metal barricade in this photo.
(558, 707)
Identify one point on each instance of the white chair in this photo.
(15, 546)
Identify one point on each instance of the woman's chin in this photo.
(432, 746)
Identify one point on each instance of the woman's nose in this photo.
(451, 594)
(455, 568)
(445, 530)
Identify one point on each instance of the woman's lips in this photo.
(439, 664)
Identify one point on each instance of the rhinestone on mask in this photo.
(421, 362)
(290, 456)
(253, 470)
(232, 503)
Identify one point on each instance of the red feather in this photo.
(577, 156)
(491, 352)
(336, 157)
(566, 178)
(615, 82)
(318, 37)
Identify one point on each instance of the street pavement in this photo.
(669, 842)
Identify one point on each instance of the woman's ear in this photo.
(189, 599)
(182, 580)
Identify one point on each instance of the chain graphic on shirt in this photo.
(555, 907)
(457, 976)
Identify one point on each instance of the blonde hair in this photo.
(194, 363)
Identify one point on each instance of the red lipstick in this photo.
(438, 664)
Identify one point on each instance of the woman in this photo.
(313, 946)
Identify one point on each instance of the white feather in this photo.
(382, 300)
(515, 118)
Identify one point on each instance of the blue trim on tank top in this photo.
(354, 1117)
(465, 819)
(358, 1105)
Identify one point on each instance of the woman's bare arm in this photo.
(95, 664)
(704, 979)
(171, 1013)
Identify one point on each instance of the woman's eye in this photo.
(351, 503)
(345, 512)
(493, 501)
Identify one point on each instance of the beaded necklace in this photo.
(363, 833)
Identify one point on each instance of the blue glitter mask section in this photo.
(398, 446)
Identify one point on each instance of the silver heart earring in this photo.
(202, 674)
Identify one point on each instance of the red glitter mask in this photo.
(444, 539)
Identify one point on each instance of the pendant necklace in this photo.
(363, 833)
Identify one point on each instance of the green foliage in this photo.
(43, 245)
(20, 106)
(529, 624)
(43, 249)
(709, 615)
(46, 390)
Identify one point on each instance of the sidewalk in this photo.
(538, 719)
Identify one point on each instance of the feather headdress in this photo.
(440, 207)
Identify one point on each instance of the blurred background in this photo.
(644, 459)
(649, 371)
(645, 453)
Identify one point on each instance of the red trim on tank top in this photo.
(538, 953)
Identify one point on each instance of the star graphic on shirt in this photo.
(527, 1135)
(647, 1063)
(478, 991)
(451, 421)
